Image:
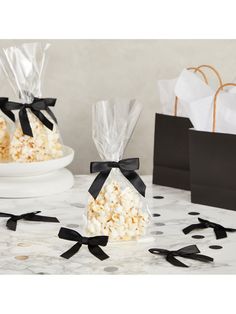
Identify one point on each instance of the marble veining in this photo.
(35, 248)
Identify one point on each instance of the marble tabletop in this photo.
(34, 248)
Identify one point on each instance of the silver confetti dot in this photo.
(78, 205)
(156, 232)
(72, 226)
(110, 269)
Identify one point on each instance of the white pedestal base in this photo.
(36, 186)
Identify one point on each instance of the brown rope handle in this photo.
(195, 70)
(198, 69)
(213, 69)
(215, 99)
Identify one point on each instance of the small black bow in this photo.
(92, 243)
(12, 222)
(126, 166)
(219, 230)
(36, 106)
(190, 252)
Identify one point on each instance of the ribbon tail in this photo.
(11, 224)
(174, 261)
(5, 215)
(98, 183)
(43, 119)
(230, 230)
(220, 233)
(97, 252)
(51, 114)
(200, 257)
(72, 251)
(135, 180)
(24, 122)
(9, 114)
(193, 227)
(42, 218)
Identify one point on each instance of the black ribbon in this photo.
(36, 106)
(190, 252)
(12, 222)
(9, 114)
(220, 231)
(92, 243)
(127, 168)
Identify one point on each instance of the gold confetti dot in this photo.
(21, 257)
(23, 244)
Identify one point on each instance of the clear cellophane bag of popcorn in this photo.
(4, 138)
(5, 127)
(119, 210)
(24, 66)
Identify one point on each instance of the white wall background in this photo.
(81, 72)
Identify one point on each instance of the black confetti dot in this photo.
(158, 197)
(198, 236)
(110, 269)
(156, 232)
(156, 215)
(194, 213)
(215, 247)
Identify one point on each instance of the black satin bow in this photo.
(12, 222)
(219, 230)
(92, 243)
(126, 166)
(9, 114)
(36, 106)
(190, 252)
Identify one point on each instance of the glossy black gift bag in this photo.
(213, 166)
(171, 148)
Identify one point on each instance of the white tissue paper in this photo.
(200, 103)
(167, 92)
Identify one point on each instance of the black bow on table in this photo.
(190, 252)
(92, 243)
(127, 168)
(12, 222)
(220, 231)
(36, 106)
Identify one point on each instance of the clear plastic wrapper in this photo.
(119, 210)
(24, 66)
(4, 138)
(5, 124)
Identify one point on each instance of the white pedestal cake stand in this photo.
(22, 180)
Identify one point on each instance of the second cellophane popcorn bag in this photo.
(35, 136)
(117, 206)
(4, 132)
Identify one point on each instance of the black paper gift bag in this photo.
(171, 151)
(171, 146)
(213, 166)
